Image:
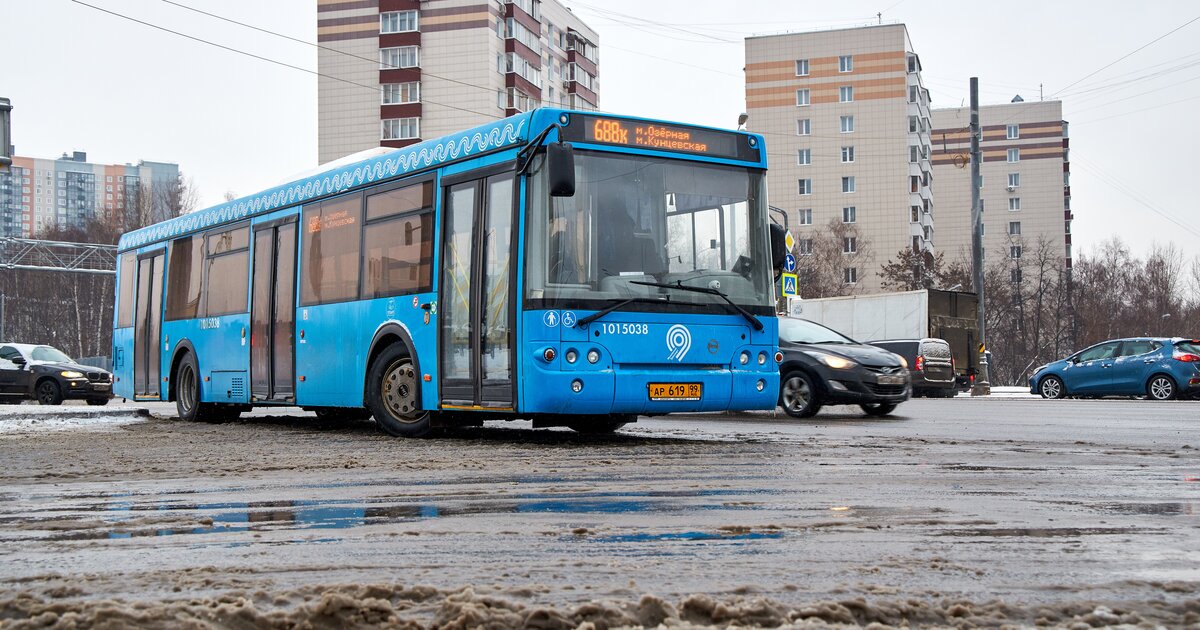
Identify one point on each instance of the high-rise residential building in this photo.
(394, 72)
(37, 193)
(1026, 191)
(846, 118)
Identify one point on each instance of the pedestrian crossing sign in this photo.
(790, 287)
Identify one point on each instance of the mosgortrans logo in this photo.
(679, 341)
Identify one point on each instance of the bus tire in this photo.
(394, 394)
(187, 393)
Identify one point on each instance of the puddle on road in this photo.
(124, 518)
(684, 536)
(1150, 509)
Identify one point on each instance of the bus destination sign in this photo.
(659, 136)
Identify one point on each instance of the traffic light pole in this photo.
(982, 386)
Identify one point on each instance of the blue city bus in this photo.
(570, 268)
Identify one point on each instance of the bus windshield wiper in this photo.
(683, 287)
(597, 315)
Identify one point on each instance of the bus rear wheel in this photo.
(187, 394)
(393, 395)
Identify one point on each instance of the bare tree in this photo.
(825, 260)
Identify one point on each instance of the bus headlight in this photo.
(570, 356)
(593, 356)
(576, 386)
(744, 358)
(760, 385)
(762, 358)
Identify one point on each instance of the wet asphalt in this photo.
(1030, 501)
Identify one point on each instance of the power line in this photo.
(1121, 187)
(266, 59)
(1127, 55)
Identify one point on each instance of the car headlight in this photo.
(71, 374)
(835, 362)
(1040, 368)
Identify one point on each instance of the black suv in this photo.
(824, 367)
(45, 373)
(930, 364)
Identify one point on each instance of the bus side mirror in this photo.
(560, 166)
(778, 245)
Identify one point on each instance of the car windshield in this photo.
(638, 219)
(47, 353)
(804, 331)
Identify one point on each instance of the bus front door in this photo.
(476, 300)
(273, 313)
(147, 327)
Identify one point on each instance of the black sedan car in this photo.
(47, 374)
(824, 367)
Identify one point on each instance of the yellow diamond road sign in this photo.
(788, 241)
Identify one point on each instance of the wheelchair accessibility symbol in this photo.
(568, 319)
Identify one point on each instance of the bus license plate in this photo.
(676, 391)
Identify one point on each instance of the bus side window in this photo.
(127, 284)
(228, 272)
(398, 244)
(331, 256)
(184, 272)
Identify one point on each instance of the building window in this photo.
(914, 154)
(400, 93)
(847, 155)
(801, 67)
(1014, 251)
(804, 247)
(1014, 180)
(846, 63)
(803, 127)
(1014, 203)
(805, 186)
(916, 213)
(914, 124)
(847, 124)
(1015, 276)
(912, 94)
(1014, 155)
(802, 98)
(1014, 132)
(805, 215)
(850, 275)
(848, 184)
(849, 244)
(916, 246)
(914, 183)
(849, 214)
(846, 94)
(1014, 228)
(401, 128)
(804, 157)
(397, 22)
(401, 57)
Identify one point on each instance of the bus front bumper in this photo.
(649, 391)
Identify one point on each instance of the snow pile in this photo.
(18, 419)
(394, 606)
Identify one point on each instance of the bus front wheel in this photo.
(393, 395)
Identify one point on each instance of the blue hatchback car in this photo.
(1155, 367)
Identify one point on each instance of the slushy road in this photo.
(987, 511)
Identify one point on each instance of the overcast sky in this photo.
(83, 80)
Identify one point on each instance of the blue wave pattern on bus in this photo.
(422, 155)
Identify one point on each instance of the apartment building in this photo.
(847, 122)
(1026, 189)
(37, 193)
(395, 72)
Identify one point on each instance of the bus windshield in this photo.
(636, 219)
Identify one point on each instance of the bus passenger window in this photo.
(183, 278)
(228, 270)
(127, 284)
(331, 257)
(398, 256)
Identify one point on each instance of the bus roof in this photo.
(503, 134)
